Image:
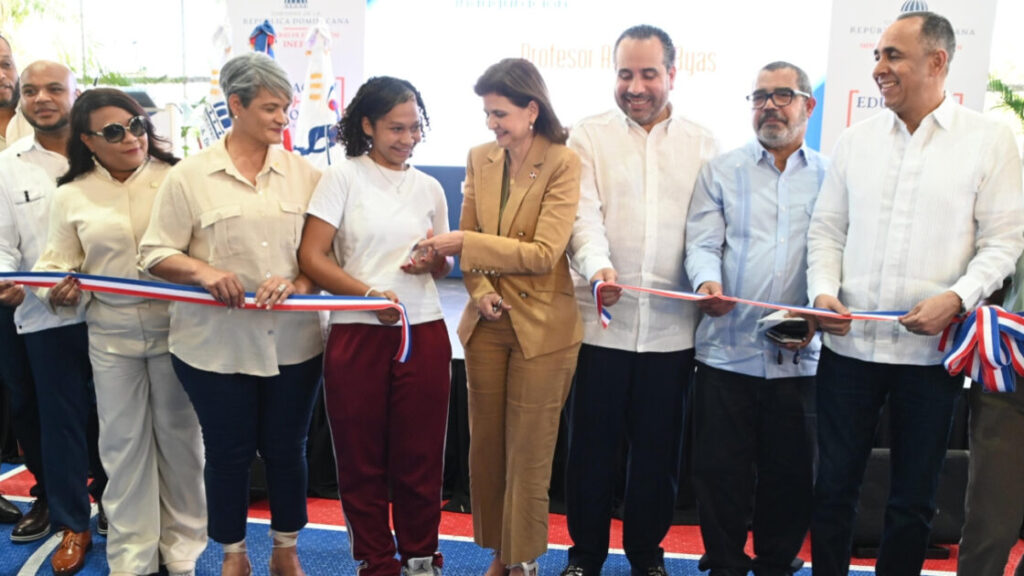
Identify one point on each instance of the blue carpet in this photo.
(323, 550)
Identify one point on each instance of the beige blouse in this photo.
(207, 210)
(95, 226)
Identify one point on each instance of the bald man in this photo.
(56, 346)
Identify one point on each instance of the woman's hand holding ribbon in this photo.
(273, 291)
(67, 292)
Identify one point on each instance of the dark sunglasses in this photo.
(781, 97)
(115, 132)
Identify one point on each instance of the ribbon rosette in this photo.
(196, 295)
(987, 347)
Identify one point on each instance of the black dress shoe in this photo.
(35, 524)
(9, 513)
(573, 570)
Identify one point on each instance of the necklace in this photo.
(398, 186)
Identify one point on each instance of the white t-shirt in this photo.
(380, 214)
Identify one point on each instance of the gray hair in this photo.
(803, 83)
(251, 72)
(936, 32)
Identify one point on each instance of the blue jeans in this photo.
(240, 415)
(851, 394)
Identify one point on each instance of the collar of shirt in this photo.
(942, 115)
(218, 160)
(28, 145)
(102, 171)
(761, 154)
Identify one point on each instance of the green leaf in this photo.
(1011, 100)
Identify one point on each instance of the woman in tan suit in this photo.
(521, 328)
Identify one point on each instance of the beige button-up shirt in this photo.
(96, 223)
(207, 210)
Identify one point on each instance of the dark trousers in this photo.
(388, 421)
(752, 460)
(642, 397)
(17, 378)
(851, 394)
(240, 415)
(69, 428)
(995, 498)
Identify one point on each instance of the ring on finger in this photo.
(282, 287)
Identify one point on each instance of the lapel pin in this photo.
(533, 175)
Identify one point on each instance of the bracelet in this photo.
(368, 291)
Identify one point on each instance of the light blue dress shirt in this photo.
(747, 229)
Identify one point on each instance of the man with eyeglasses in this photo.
(922, 210)
(746, 237)
(56, 346)
(639, 164)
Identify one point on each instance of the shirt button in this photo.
(264, 243)
(267, 275)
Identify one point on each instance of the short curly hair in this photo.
(374, 99)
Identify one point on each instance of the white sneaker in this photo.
(421, 567)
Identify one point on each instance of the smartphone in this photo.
(790, 331)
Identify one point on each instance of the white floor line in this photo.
(38, 558)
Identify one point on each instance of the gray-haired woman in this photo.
(229, 219)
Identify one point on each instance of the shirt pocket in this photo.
(292, 218)
(223, 227)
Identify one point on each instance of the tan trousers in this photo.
(514, 410)
(152, 450)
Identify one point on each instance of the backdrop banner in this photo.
(293, 21)
(851, 94)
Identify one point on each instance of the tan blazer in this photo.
(524, 261)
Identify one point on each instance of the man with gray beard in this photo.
(746, 237)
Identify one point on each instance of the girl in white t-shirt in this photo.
(388, 419)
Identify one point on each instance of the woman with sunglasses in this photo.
(149, 440)
(229, 220)
(388, 418)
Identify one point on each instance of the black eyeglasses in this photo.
(781, 97)
(115, 132)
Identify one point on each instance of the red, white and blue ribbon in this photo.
(695, 297)
(602, 313)
(988, 346)
(196, 295)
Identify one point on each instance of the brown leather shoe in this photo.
(70, 555)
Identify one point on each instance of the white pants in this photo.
(151, 448)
